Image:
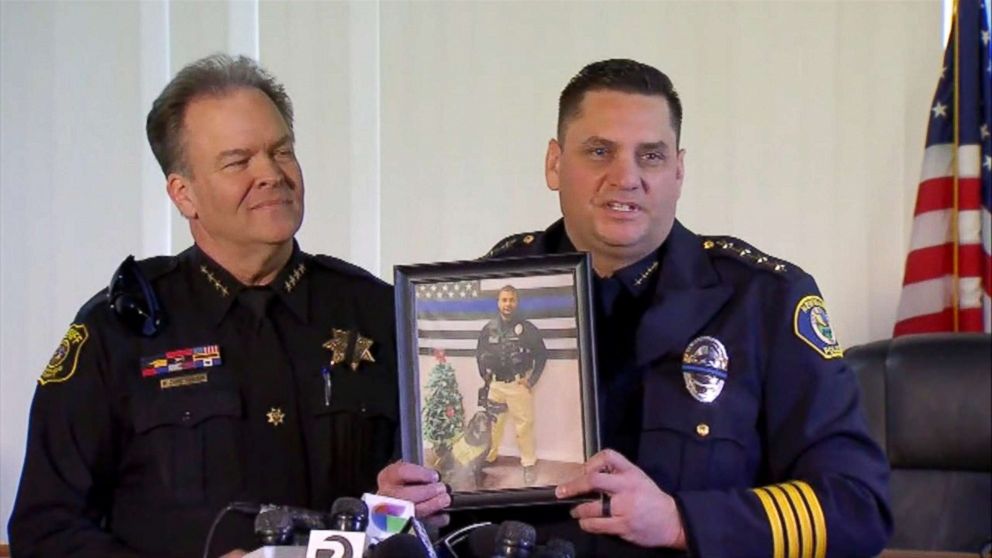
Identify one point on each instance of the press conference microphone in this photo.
(402, 545)
(514, 539)
(344, 536)
(276, 525)
(349, 514)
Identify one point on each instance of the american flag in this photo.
(450, 315)
(948, 269)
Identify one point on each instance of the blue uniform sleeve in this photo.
(827, 482)
(66, 484)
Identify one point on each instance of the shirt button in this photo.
(187, 416)
(703, 429)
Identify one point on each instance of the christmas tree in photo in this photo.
(443, 414)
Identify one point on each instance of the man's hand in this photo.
(234, 554)
(637, 510)
(416, 484)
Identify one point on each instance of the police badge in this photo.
(704, 368)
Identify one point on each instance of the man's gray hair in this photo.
(214, 75)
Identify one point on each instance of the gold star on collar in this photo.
(294, 277)
(338, 345)
(275, 416)
(363, 352)
(213, 280)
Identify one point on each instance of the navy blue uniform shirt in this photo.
(746, 412)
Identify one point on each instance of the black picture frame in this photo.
(448, 321)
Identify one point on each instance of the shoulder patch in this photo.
(63, 363)
(509, 242)
(737, 248)
(812, 325)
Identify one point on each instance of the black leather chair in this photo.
(928, 400)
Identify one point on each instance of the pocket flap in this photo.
(185, 408)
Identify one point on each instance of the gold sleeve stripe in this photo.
(778, 544)
(802, 513)
(819, 522)
(789, 518)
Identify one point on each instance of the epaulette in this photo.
(736, 248)
(343, 267)
(510, 242)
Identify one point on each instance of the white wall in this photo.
(422, 128)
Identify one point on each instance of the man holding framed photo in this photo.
(511, 356)
(733, 423)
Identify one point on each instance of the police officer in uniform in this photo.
(733, 424)
(243, 369)
(511, 356)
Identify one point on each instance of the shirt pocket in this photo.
(690, 445)
(193, 439)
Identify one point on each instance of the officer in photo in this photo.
(242, 369)
(511, 357)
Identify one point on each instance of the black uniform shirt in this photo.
(135, 443)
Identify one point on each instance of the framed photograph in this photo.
(497, 378)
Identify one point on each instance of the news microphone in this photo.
(514, 539)
(276, 525)
(387, 516)
(349, 514)
(344, 536)
(402, 545)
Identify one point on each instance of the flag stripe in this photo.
(553, 354)
(477, 325)
(936, 261)
(969, 319)
(938, 193)
(474, 334)
(937, 161)
(929, 297)
(933, 228)
(528, 283)
(435, 343)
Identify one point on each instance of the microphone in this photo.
(514, 539)
(387, 516)
(402, 545)
(349, 514)
(276, 525)
(345, 537)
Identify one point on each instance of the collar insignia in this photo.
(214, 281)
(647, 273)
(294, 277)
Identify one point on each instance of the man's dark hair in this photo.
(214, 75)
(618, 74)
(509, 289)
